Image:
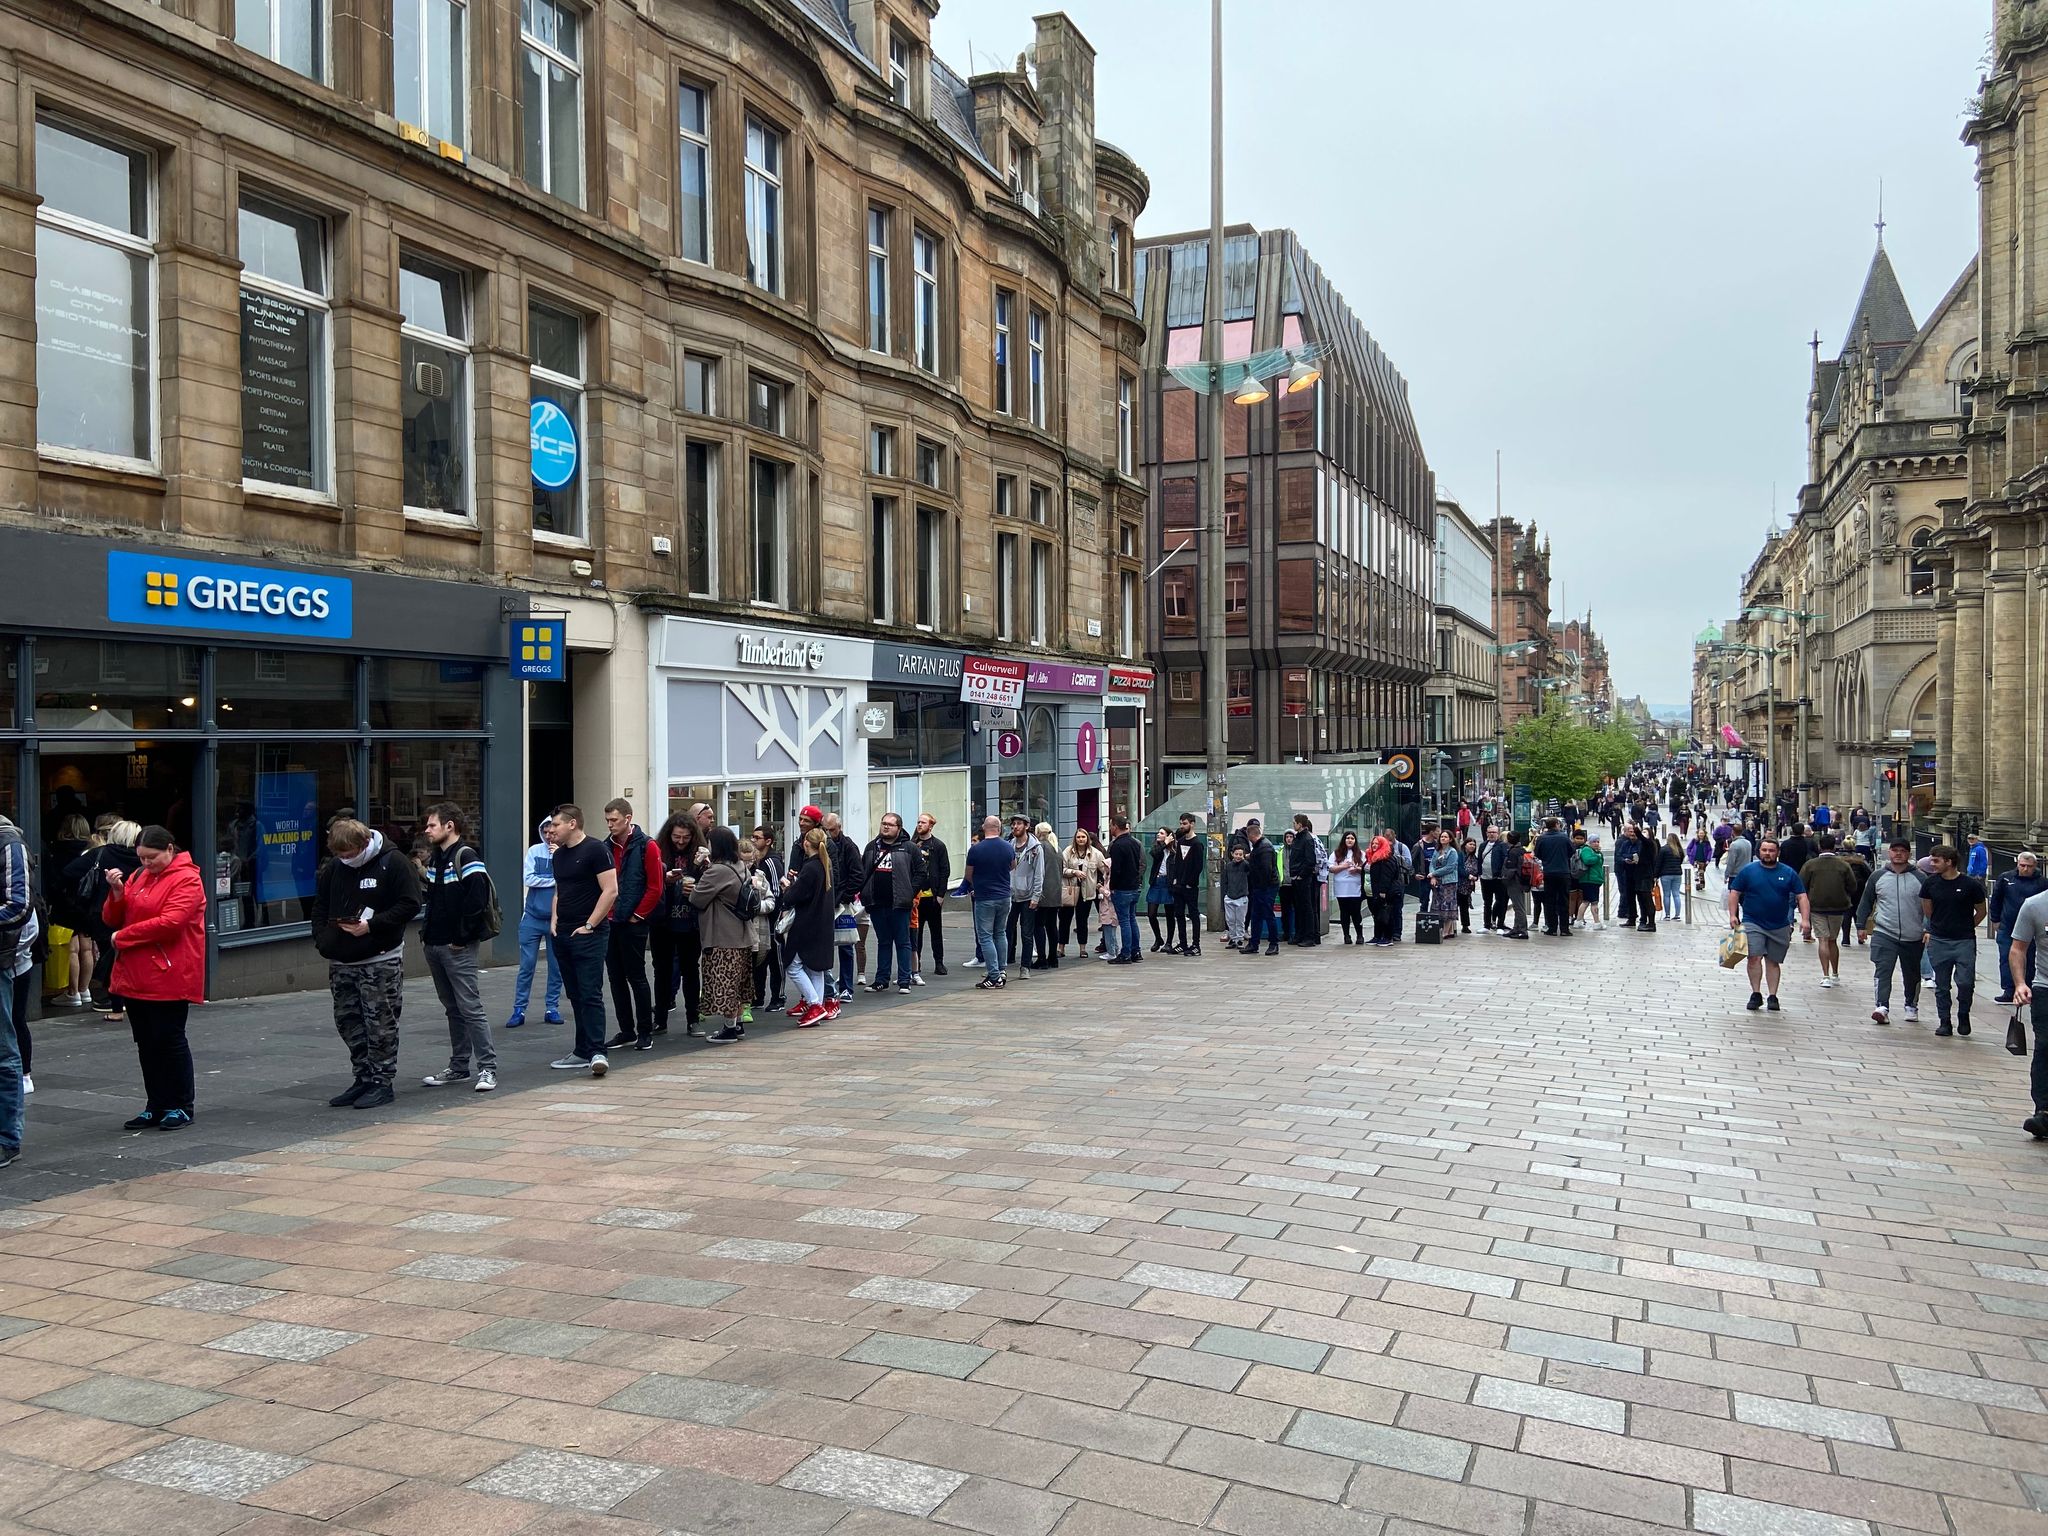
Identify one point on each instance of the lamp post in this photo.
(1730, 648)
(1500, 654)
(1780, 615)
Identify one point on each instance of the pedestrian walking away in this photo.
(459, 903)
(1953, 905)
(537, 885)
(586, 890)
(1761, 900)
(1891, 920)
(363, 902)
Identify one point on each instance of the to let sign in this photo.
(992, 681)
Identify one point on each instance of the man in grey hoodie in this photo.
(1889, 916)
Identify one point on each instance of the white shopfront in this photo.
(758, 721)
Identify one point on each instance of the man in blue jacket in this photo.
(1263, 881)
(2009, 892)
(538, 882)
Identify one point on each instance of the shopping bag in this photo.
(2016, 1034)
(1734, 948)
(1656, 898)
(1429, 928)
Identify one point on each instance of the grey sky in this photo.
(1595, 235)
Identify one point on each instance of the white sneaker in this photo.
(1826, 982)
(1880, 1015)
(486, 1080)
(1912, 1013)
(28, 1085)
(599, 1066)
(917, 979)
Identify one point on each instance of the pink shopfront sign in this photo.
(1054, 677)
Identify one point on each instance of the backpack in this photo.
(746, 901)
(493, 916)
(1322, 862)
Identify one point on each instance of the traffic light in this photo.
(1891, 775)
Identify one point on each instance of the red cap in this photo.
(811, 813)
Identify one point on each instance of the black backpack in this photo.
(746, 901)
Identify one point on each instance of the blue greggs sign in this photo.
(235, 599)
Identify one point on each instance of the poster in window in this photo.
(287, 822)
(280, 401)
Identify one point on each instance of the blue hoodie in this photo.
(539, 877)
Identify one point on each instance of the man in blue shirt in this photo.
(989, 863)
(1761, 898)
(1979, 867)
(538, 882)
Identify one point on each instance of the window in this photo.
(1183, 692)
(882, 451)
(693, 173)
(284, 346)
(930, 555)
(1127, 540)
(555, 420)
(1117, 241)
(700, 517)
(1127, 614)
(1919, 572)
(1234, 489)
(767, 403)
(551, 99)
(700, 384)
(881, 559)
(767, 518)
(878, 279)
(1024, 173)
(924, 251)
(931, 464)
(1006, 495)
(1237, 683)
(289, 31)
(1041, 503)
(95, 383)
(1006, 303)
(1126, 423)
(433, 361)
(429, 66)
(1006, 586)
(1236, 593)
(764, 206)
(262, 793)
(901, 53)
(1037, 325)
(1177, 601)
(1294, 691)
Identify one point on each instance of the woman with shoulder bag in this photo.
(157, 917)
(768, 871)
(807, 908)
(674, 939)
(728, 963)
(1082, 867)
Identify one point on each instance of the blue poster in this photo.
(287, 826)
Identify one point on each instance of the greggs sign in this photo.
(237, 599)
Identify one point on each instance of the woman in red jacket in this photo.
(158, 917)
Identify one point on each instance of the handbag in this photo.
(1734, 948)
(2016, 1034)
(1656, 898)
(1429, 928)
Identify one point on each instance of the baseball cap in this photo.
(810, 813)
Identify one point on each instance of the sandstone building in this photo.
(363, 359)
(1462, 696)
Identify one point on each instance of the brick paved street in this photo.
(1495, 1239)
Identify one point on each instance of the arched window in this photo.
(1919, 572)
(1962, 374)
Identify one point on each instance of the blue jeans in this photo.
(532, 932)
(2005, 963)
(892, 936)
(1674, 898)
(990, 919)
(1126, 904)
(582, 956)
(1261, 919)
(10, 1073)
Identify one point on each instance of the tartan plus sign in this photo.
(1510, 1238)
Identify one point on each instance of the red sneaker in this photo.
(812, 1016)
(797, 1009)
(831, 1009)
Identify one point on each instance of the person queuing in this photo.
(1553, 853)
(1027, 881)
(157, 917)
(1185, 869)
(1347, 885)
(1304, 905)
(1159, 888)
(1493, 873)
(721, 897)
(990, 863)
(17, 912)
(637, 868)
(363, 901)
(2028, 929)
(1082, 868)
(1045, 925)
(2009, 893)
(586, 890)
(537, 885)
(673, 938)
(849, 924)
(892, 872)
(459, 902)
(1126, 885)
(1262, 881)
(931, 900)
(764, 865)
(809, 895)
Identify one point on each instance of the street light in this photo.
(1783, 615)
(1501, 653)
(1730, 648)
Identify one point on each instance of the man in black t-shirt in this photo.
(1953, 905)
(586, 885)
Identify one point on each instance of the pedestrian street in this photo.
(1496, 1238)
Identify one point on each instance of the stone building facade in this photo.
(1329, 516)
(574, 321)
(1522, 617)
(1461, 697)
(1581, 656)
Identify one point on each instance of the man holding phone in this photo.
(365, 898)
(586, 886)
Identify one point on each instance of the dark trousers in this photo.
(1308, 912)
(1023, 921)
(1285, 922)
(1557, 903)
(892, 937)
(583, 956)
(1349, 915)
(929, 909)
(625, 961)
(675, 963)
(1259, 919)
(1152, 911)
(1465, 909)
(2040, 1065)
(160, 1045)
(2004, 977)
(21, 1018)
(1646, 904)
(1493, 903)
(768, 985)
(1183, 924)
(1074, 924)
(1047, 931)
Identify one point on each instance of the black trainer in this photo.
(349, 1095)
(1756, 1001)
(375, 1096)
(2035, 1126)
(939, 969)
(1962, 1026)
(645, 1043)
(725, 1034)
(1771, 1002)
(619, 1042)
(142, 1122)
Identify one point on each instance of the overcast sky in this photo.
(1594, 235)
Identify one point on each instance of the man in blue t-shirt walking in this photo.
(1761, 898)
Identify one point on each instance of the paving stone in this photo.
(455, 1266)
(524, 1336)
(225, 1267)
(986, 1181)
(213, 1296)
(692, 1503)
(642, 1218)
(1761, 1330)
(1196, 1282)
(1380, 1445)
(926, 1149)
(209, 1467)
(915, 1293)
(1755, 1269)
(1532, 1401)
(253, 1223)
(1441, 1277)
(560, 1477)
(1581, 1351)
(476, 1187)
(451, 1221)
(853, 1216)
(287, 1341)
(1812, 1419)
(1725, 1515)
(998, 1508)
(1053, 1221)
(687, 1397)
(1069, 1149)
(934, 1357)
(1264, 1348)
(668, 1291)
(882, 1482)
(752, 1250)
(125, 1400)
(1970, 1389)
(15, 1327)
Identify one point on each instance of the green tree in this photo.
(1617, 748)
(1555, 756)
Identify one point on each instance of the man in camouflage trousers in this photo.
(367, 896)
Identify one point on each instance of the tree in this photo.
(1555, 756)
